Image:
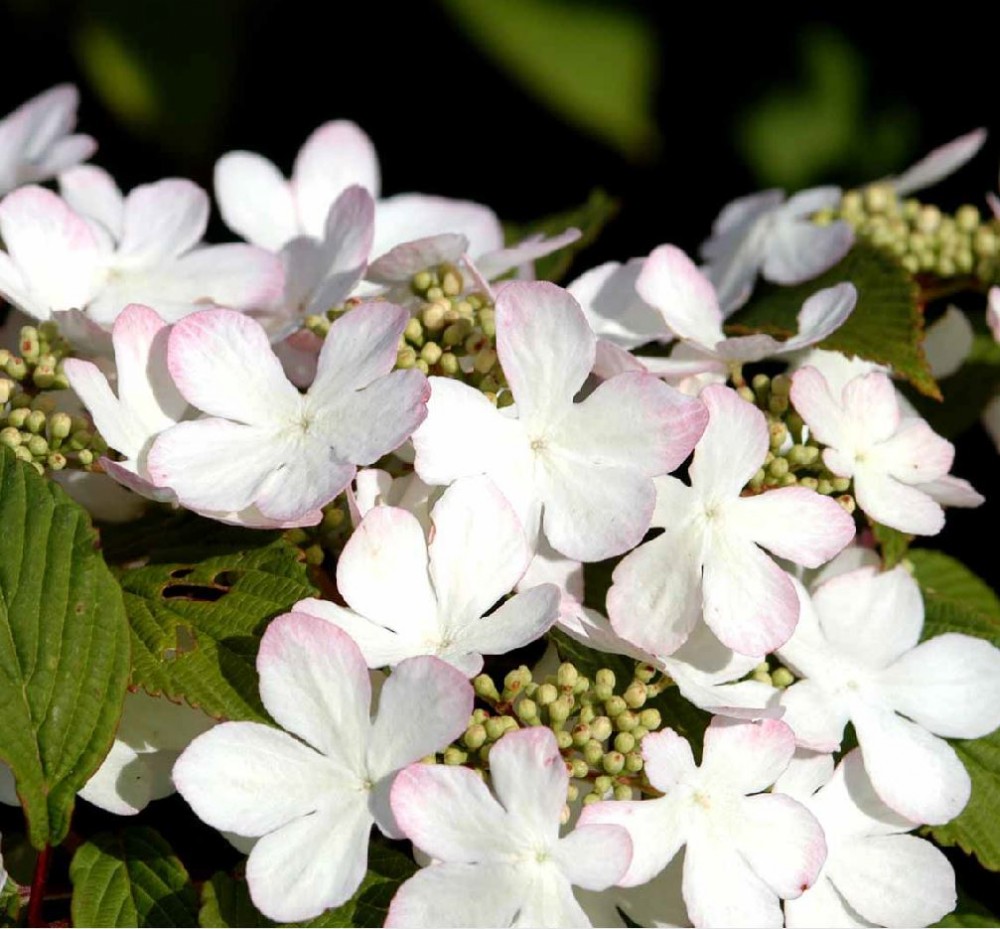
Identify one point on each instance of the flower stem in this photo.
(38, 887)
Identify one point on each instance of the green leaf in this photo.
(968, 913)
(892, 543)
(966, 392)
(955, 600)
(131, 878)
(887, 325)
(590, 219)
(63, 648)
(226, 901)
(595, 66)
(588, 661)
(196, 624)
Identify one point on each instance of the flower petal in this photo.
(381, 647)
(440, 895)
(255, 200)
(92, 192)
(816, 718)
(613, 307)
(799, 250)
(746, 756)
(733, 445)
(939, 163)
(594, 857)
(498, 262)
(812, 398)
(895, 504)
(336, 155)
(529, 777)
(161, 221)
(408, 217)
(668, 759)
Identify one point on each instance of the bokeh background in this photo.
(528, 105)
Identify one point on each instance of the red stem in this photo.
(38, 887)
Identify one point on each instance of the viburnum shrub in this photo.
(451, 596)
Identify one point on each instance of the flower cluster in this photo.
(461, 452)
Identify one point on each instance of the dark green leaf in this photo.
(892, 543)
(887, 325)
(969, 913)
(63, 651)
(131, 878)
(590, 219)
(196, 624)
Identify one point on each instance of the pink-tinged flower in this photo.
(313, 793)
(264, 444)
(408, 596)
(706, 672)
(938, 164)
(873, 870)
(708, 561)
(687, 301)
(501, 849)
(856, 646)
(888, 456)
(583, 471)
(98, 251)
(745, 850)
(35, 140)
(767, 234)
(147, 401)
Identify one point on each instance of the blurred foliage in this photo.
(819, 126)
(594, 64)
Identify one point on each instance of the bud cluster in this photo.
(31, 425)
(451, 334)
(924, 239)
(794, 457)
(328, 535)
(778, 676)
(599, 724)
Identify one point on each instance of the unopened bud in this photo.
(601, 728)
(546, 694)
(782, 677)
(431, 353)
(567, 675)
(633, 762)
(475, 736)
(615, 705)
(650, 718)
(56, 462)
(613, 763)
(593, 752)
(560, 709)
(624, 742)
(635, 695)
(626, 721)
(578, 768)
(454, 756)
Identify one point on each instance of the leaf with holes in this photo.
(196, 626)
(955, 600)
(590, 219)
(131, 878)
(226, 901)
(887, 325)
(63, 648)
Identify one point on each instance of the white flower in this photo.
(410, 597)
(583, 471)
(873, 870)
(856, 648)
(502, 853)
(709, 559)
(312, 796)
(889, 456)
(98, 251)
(35, 140)
(266, 445)
(744, 849)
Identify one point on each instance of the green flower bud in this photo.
(592, 798)
(56, 462)
(644, 672)
(406, 358)
(10, 437)
(414, 332)
(650, 718)
(475, 736)
(852, 202)
(422, 366)
(561, 708)
(567, 675)
(626, 721)
(615, 705)
(778, 405)
(778, 467)
(38, 446)
(578, 769)
(581, 734)
(455, 756)
(624, 742)
(782, 677)
(928, 219)
(635, 695)
(601, 728)
(593, 752)
(809, 483)
(803, 455)
(432, 316)
(60, 425)
(762, 677)
(431, 353)
(967, 218)
(547, 693)
(434, 292)
(451, 282)
(879, 197)
(841, 484)
(22, 454)
(30, 344)
(527, 710)
(421, 281)
(757, 481)
(18, 417)
(603, 783)
(16, 368)
(587, 713)
(563, 739)
(581, 686)
(314, 555)
(456, 333)
(639, 733)
(495, 728)
(605, 676)
(623, 792)
(633, 762)
(85, 457)
(613, 762)
(848, 503)
(910, 262)
(778, 434)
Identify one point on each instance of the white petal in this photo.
(336, 155)
(952, 491)
(894, 880)
(794, 523)
(398, 265)
(895, 504)
(119, 428)
(252, 779)
(613, 307)
(380, 646)
(746, 756)
(121, 785)
(799, 250)
(494, 264)
(92, 191)
(440, 895)
(668, 759)
(658, 829)
(872, 616)
(529, 777)
(822, 905)
(596, 856)
(222, 363)
(255, 200)
(733, 446)
(939, 163)
(949, 685)
(917, 774)
(806, 773)
(407, 217)
(947, 342)
(161, 221)
(819, 407)
(313, 863)
(685, 298)
(546, 349)
(449, 813)
(816, 718)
